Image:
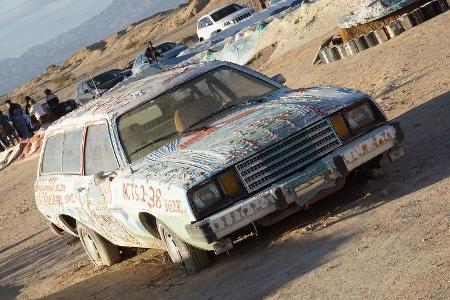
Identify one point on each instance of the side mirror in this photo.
(102, 176)
(279, 78)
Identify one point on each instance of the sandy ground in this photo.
(385, 238)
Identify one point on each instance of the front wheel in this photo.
(185, 256)
(100, 251)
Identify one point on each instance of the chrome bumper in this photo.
(301, 187)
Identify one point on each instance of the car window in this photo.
(98, 153)
(155, 122)
(72, 152)
(51, 162)
(204, 22)
(226, 11)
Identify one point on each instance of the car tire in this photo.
(184, 256)
(100, 251)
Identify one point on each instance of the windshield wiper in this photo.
(154, 141)
(192, 128)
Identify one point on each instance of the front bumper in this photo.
(301, 187)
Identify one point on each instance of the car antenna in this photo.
(95, 86)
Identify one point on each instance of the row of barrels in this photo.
(381, 35)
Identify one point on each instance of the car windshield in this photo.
(103, 78)
(187, 107)
(160, 49)
(226, 11)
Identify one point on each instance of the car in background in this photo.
(166, 51)
(192, 157)
(221, 18)
(62, 109)
(96, 86)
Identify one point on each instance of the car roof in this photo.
(128, 95)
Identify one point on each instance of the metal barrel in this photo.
(417, 17)
(381, 35)
(394, 28)
(371, 39)
(333, 54)
(361, 43)
(428, 10)
(342, 51)
(351, 47)
(323, 54)
(406, 21)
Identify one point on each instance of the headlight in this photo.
(360, 116)
(205, 196)
(227, 23)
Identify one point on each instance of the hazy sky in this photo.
(25, 23)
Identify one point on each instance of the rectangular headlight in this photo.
(205, 196)
(360, 116)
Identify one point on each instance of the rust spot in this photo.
(216, 226)
(245, 211)
(381, 142)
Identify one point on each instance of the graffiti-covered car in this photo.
(192, 156)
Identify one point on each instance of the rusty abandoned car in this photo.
(190, 156)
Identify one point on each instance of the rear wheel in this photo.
(100, 251)
(185, 256)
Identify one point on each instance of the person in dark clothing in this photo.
(8, 135)
(151, 53)
(52, 101)
(18, 118)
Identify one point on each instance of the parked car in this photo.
(221, 19)
(190, 157)
(166, 51)
(99, 84)
(62, 109)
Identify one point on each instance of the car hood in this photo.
(238, 133)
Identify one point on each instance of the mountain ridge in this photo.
(116, 16)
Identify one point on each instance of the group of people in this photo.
(23, 122)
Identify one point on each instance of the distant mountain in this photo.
(118, 15)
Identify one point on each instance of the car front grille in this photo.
(288, 156)
(241, 17)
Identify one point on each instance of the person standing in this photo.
(36, 110)
(8, 134)
(151, 53)
(52, 102)
(18, 118)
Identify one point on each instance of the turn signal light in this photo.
(230, 183)
(340, 126)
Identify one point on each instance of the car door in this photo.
(94, 189)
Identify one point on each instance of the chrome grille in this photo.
(288, 156)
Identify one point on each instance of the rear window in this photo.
(226, 11)
(52, 159)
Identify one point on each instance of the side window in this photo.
(71, 163)
(51, 162)
(98, 153)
